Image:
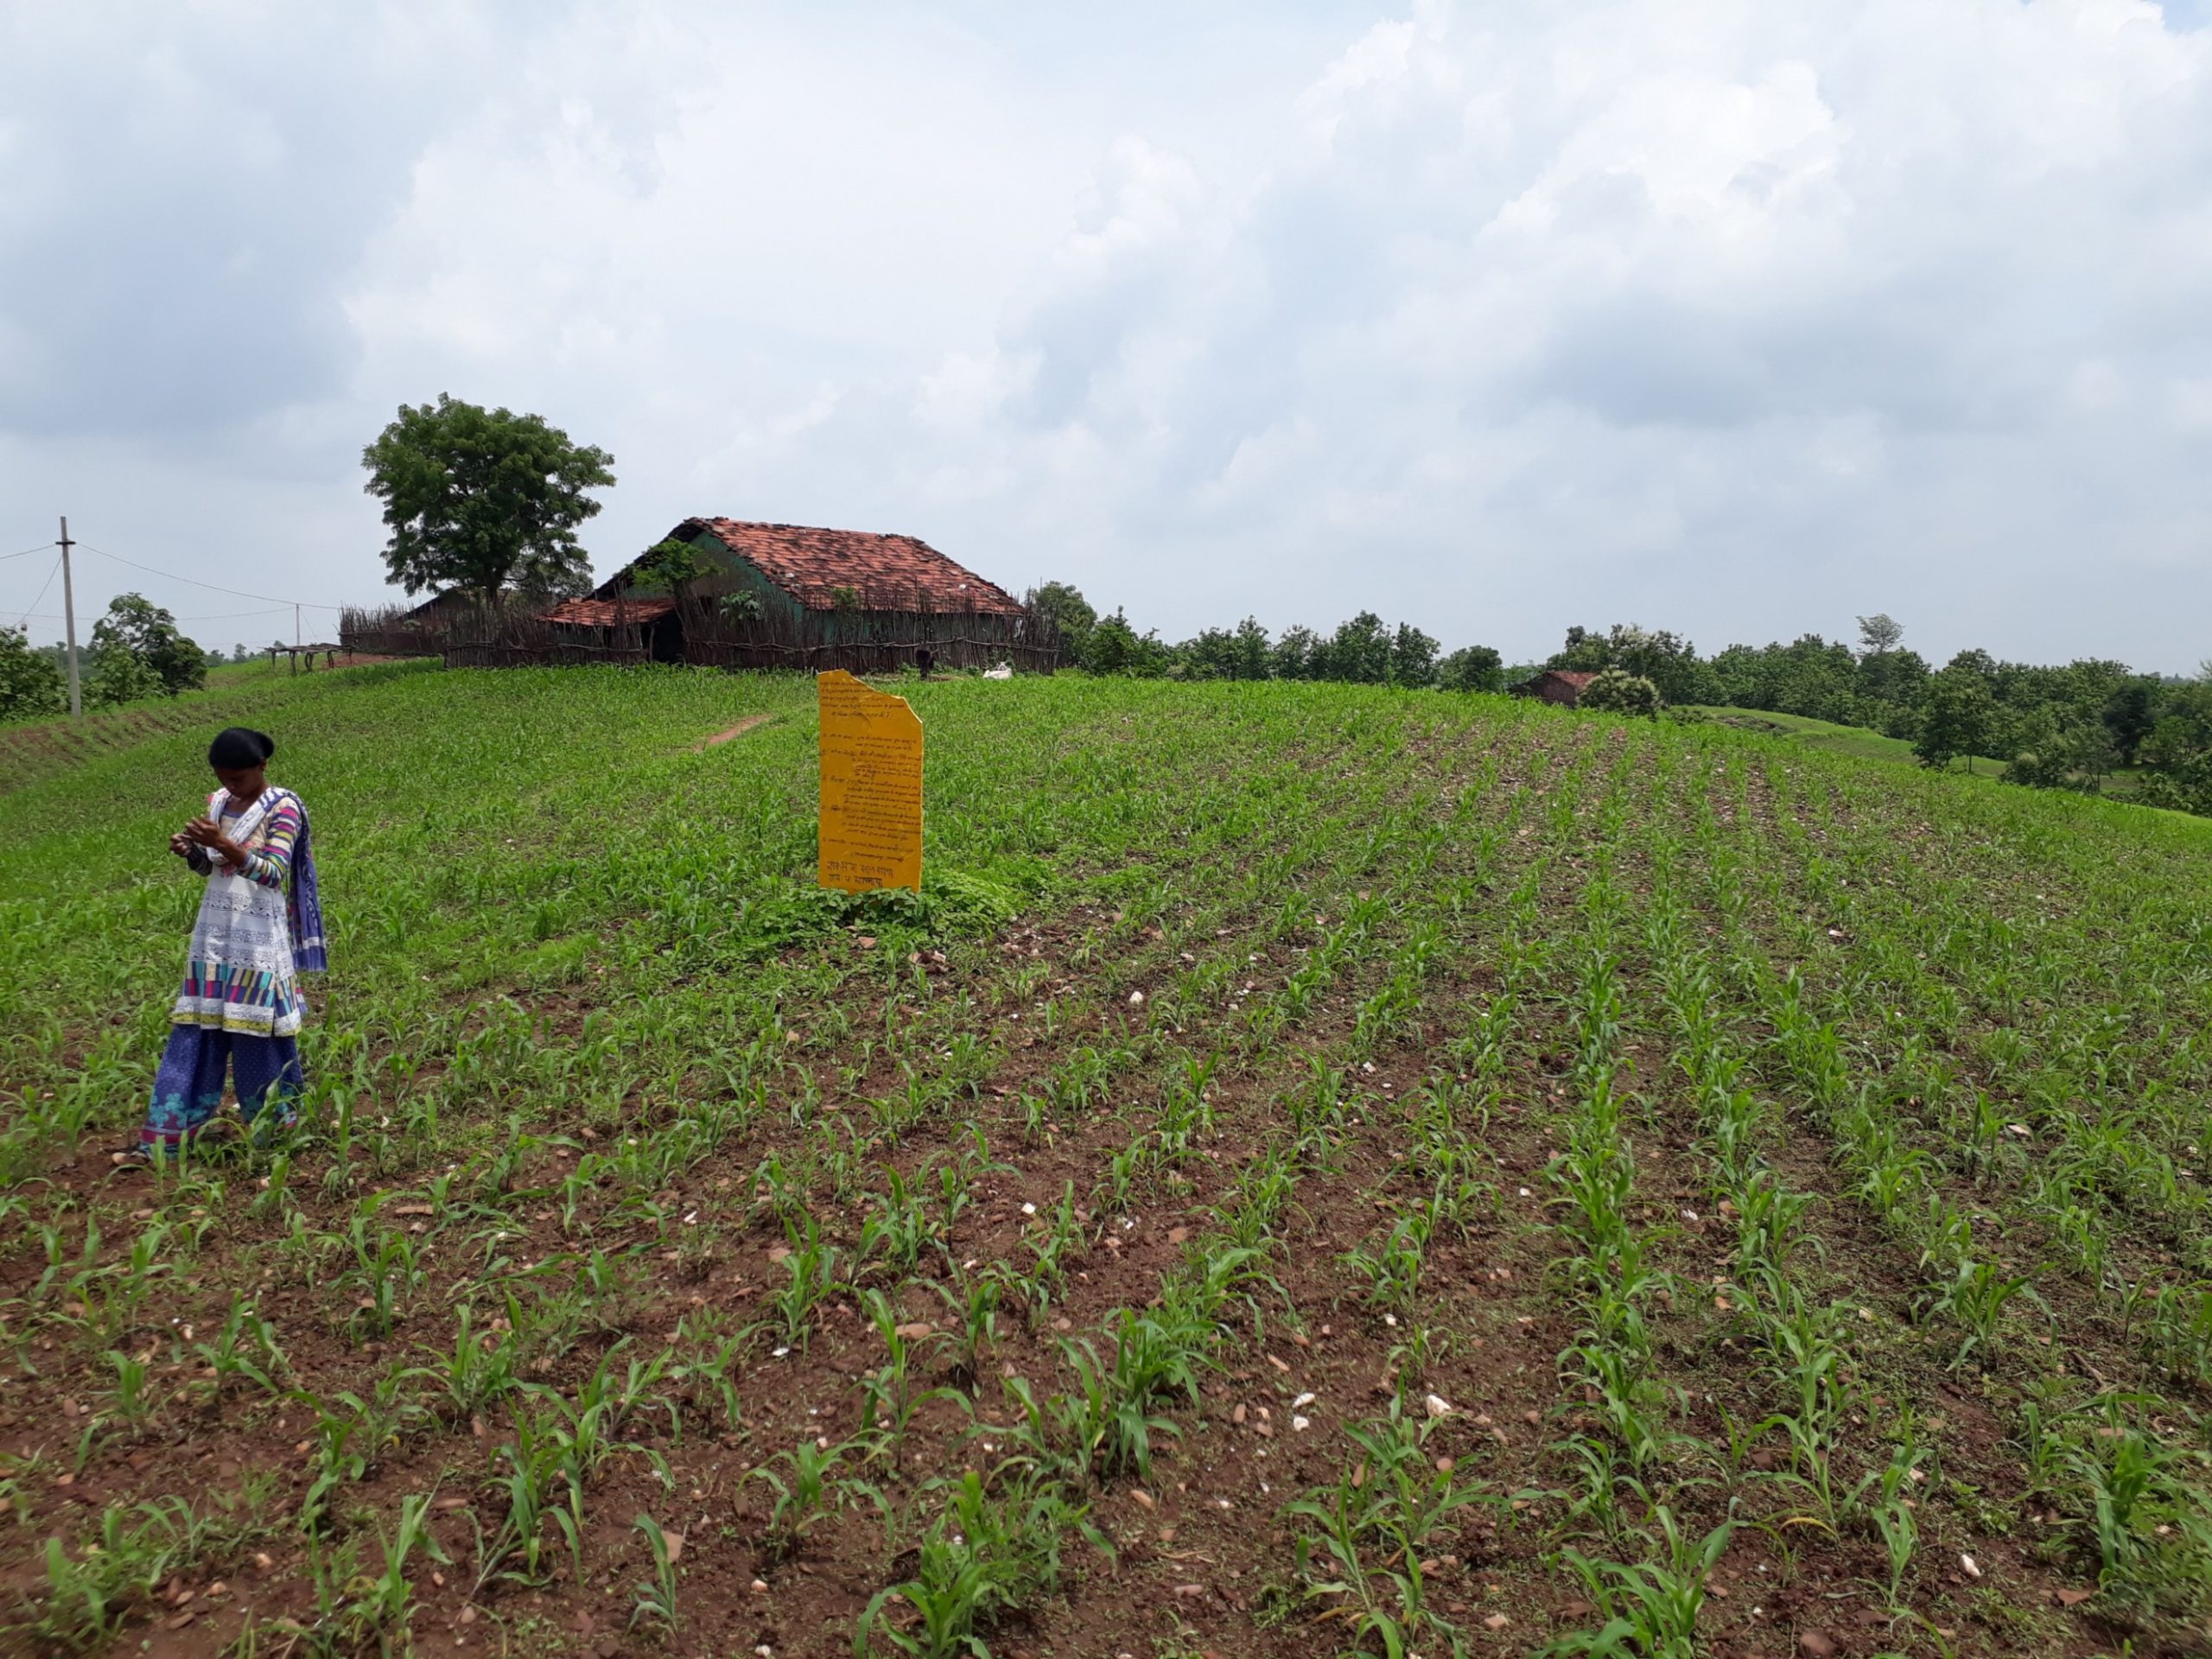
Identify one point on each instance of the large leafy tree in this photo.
(1114, 647)
(1291, 657)
(1064, 606)
(2179, 749)
(137, 652)
(2130, 715)
(1413, 657)
(484, 499)
(1472, 667)
(1359, 650)
(1958, 716)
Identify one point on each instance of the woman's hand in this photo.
(180, 845)
(205, 832)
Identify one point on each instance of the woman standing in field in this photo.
(240, 1006)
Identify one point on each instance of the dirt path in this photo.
(738, 730)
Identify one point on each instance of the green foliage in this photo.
(2060, 750)
(1668, 660)
(1696, 950)
(30, 682)
(2179, 750)
(655, 1600)
(671, 566)
(1649, 1608)
(810, 1488)
(1112, 646)
(137, 652)
(1359, 651)
(118, 677)
(1063, 606)
(1616, 691)
(1368, 1543)
(1957, 717)
(989, 1552)
(1221, 654)
(483, 500)
(1879, 633)
(1472, 668)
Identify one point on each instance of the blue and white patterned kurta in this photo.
(239, 976)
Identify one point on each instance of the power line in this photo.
(230, 616)
(215, 616)
(235, 592)
(43, 585)
(25, 553)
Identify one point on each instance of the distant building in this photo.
(1563, 686)
(790, 596)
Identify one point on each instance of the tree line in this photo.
(137, 651)
(1364, 651)
(2074, 726)
(2070, 726)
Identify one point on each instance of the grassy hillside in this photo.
(1837, 740)
(1381, 1166)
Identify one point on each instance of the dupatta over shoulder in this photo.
(302, 904)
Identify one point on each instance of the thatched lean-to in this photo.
(755, 595)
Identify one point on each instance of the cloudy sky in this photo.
(1720, 315)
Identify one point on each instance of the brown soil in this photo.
(738, 730)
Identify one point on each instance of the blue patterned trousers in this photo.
(188, 1088)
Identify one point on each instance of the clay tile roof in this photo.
(1576, 678)
(887, 572)
(606, 613)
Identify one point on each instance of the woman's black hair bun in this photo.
(237, 747)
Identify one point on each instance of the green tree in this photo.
(1957, 715)
(1359, 650)
(1413, 657)
(1292, 656)
(118, 677)
(1472, 668)
(1250, 651)
(2178, 752)
(1114, 647)
(1889, 688)
(1065, 608)
(137, 628)
(1616, 691)
(483, 499)
(1879, 633)
(2129, 716)
(2063, 749)
(31, 684)
(1210, 656)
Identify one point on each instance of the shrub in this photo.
(29, 683)
(1616, 691)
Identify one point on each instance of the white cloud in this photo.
(1739, 319)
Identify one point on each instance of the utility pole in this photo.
(69, 617)
(298, 638)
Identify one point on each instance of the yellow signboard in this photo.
(871, 787)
